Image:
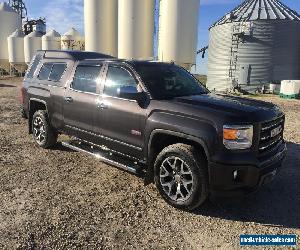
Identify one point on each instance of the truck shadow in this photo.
(277, 204)
(6, 86)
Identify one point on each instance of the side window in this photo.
(45, 71)
(57, 72)
(33, 66)
(117, 77)
(86, 78)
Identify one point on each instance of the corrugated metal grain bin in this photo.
(255, 44)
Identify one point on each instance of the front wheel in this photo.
(43, 134)
(181, 176)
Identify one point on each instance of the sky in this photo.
(61, 15)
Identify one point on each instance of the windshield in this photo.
(165, 81)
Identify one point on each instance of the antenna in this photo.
(19, 6)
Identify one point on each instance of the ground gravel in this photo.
(61, 199)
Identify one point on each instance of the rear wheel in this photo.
(43, 134)
(181, 176)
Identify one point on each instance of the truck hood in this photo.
(232, 105)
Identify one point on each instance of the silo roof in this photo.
(251, 10)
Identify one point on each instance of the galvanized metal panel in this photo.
(271, 50)
(252, 10)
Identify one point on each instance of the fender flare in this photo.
(30, 112)
(149, 174)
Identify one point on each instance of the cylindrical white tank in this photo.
(101, 26)
(178, 31)
(32, 43)
(136, 29)
(72, 40)
(16, 50)
(9, 22)
(51, 41)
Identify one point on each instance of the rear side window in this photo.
(45, 71)
(86, 78)
(117, 77)
(33, 66)
(57, 71)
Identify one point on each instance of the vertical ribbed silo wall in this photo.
(286, 65)
(256, 51)
(271, 52)
(219, 55)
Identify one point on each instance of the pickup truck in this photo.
(156, 120)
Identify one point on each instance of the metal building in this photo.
(136, 29)
(16, 50)
(178, 31)
(10, 20)
(72, 40)
(32, 43)
(101, 26)
(51, 40)
(255, 44)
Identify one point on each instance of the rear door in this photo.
(120, 121)
(80, 100)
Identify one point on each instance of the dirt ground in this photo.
(60, 199)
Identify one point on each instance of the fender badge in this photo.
(135, 132)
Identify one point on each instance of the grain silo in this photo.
(16, 50)
(51, 40)
(178, 31)
(10, 20)
(101, 26)
(255, 44)
(72, 40)
(32, 43)
(136, 29)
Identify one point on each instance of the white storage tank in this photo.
(101, 26)
(290, 87)
(178, 31)
(16, 50)
(51, 41)
(32, 43)
(136, 29)
(9, 22)
(72, 40)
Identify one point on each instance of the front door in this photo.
(120, 121)
(80, 101)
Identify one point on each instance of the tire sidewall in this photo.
(42, 115)
(199, 182)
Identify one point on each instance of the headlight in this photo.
(237, 137)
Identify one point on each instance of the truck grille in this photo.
(271, 135)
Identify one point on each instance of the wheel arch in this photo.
(161, 138)
(35, 105)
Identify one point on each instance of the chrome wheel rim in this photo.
(39, 130)
(176, 179)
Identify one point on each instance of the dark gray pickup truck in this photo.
(154, 119)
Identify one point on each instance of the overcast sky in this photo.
(64, 14)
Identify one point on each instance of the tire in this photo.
(181, 165)
(43, 134)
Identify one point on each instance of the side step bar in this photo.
(104, 157)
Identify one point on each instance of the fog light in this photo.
(235, 174)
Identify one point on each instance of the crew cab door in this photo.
(120, 121)
(80, 101)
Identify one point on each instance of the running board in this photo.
(103, 156)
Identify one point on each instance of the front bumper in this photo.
(249, 177)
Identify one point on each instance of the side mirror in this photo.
(131, 93)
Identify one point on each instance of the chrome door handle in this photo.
(68, 99)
